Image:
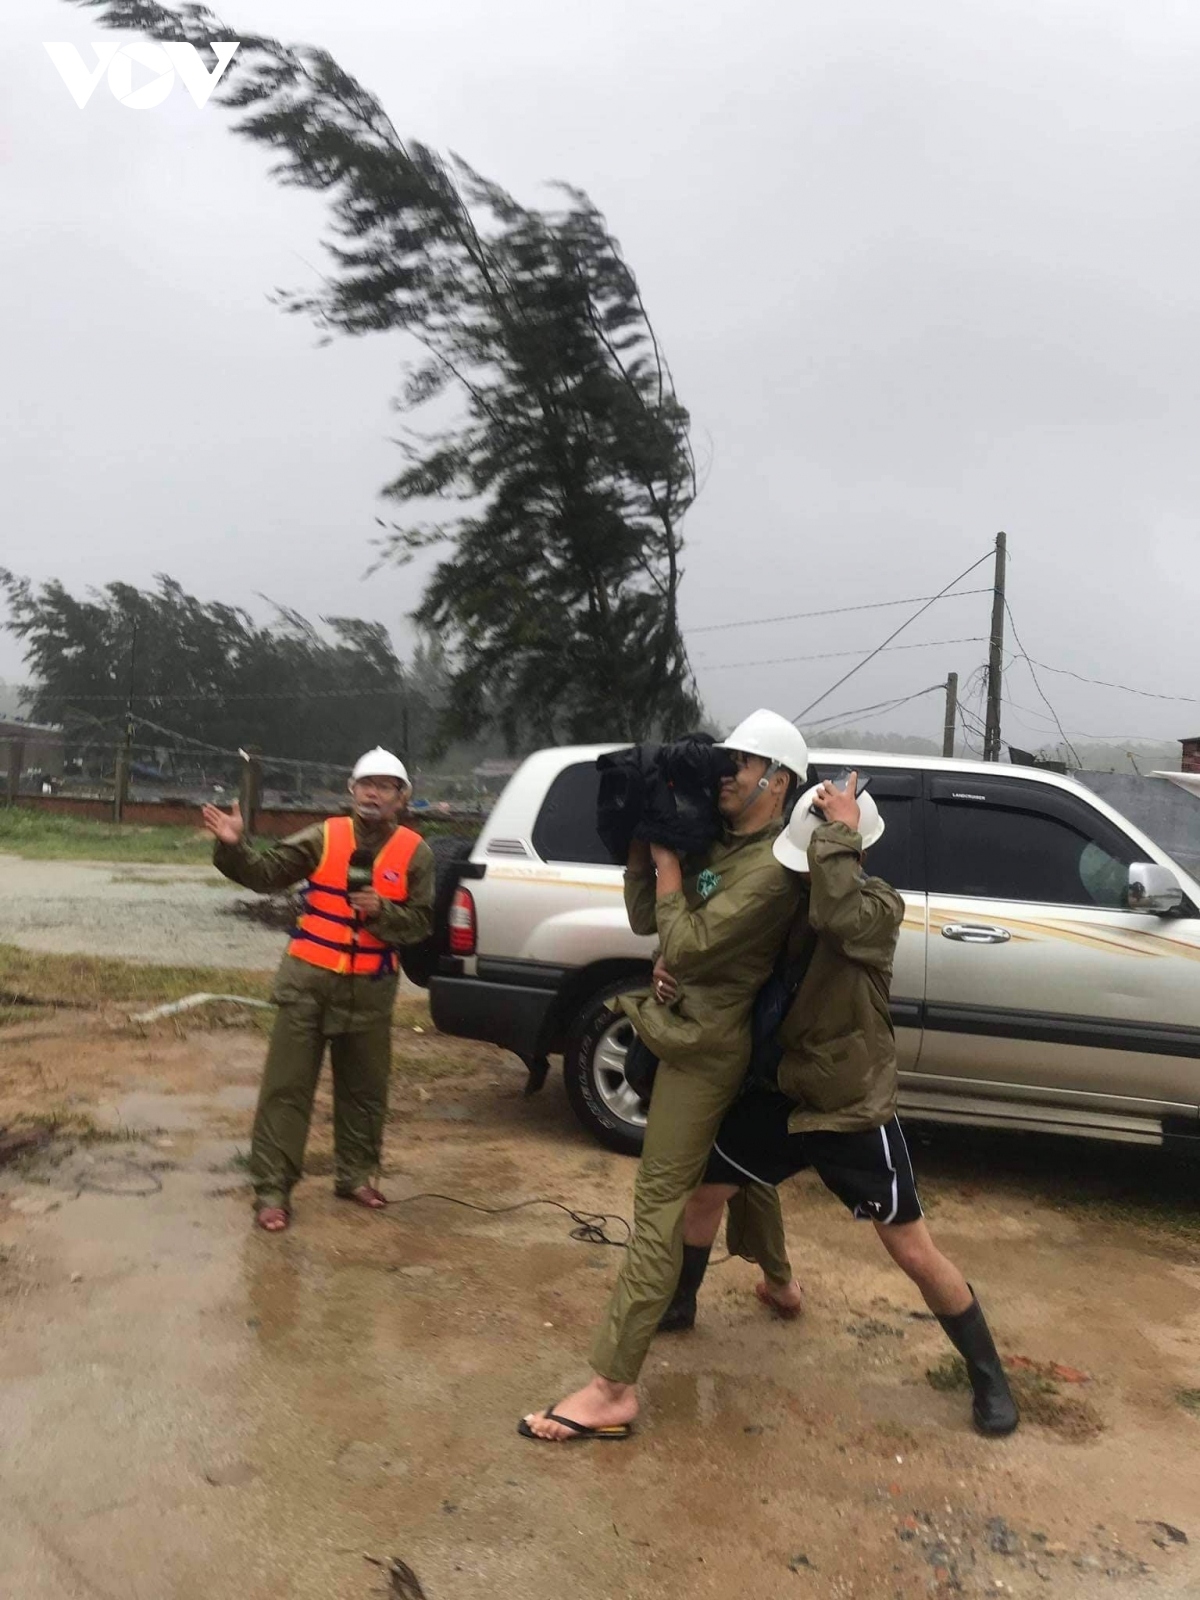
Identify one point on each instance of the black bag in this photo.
(641, 1065)
(771, 1005)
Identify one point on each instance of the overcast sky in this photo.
(922, 272)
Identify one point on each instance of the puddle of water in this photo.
(142, 1112)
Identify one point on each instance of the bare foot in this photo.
(272, 1219)
(599, 1404)
(787, 1303)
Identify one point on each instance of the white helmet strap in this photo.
(764, 783)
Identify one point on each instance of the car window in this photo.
(1001, 853)
(893, 858)
(566, 826)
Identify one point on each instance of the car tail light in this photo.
(461, 923)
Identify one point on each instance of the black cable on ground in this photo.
(589, 1229)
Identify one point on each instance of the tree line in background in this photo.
(206, 673)
(557, 492)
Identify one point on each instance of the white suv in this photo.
(1047, 978)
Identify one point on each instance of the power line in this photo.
(1105, 683)
(967, 733)
(832, 611)
(895, 635)
(831, 655)
(1037, 685)
(216, 749)
(1083, 733)
(880, 706)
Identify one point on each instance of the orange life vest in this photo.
(328, 934)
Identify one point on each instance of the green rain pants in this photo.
(685, 1112)
(360, 1048)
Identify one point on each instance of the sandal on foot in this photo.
(273, 1219)
(365, 1195)
(784, 1313)
(619, 1430)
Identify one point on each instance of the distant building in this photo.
(1191, 754)
(488, 774)
(41, 746)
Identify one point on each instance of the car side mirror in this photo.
(1153, 889)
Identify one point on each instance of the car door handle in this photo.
(975, 933)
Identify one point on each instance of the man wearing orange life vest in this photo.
(369, 893)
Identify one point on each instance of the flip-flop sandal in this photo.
(366, 1196)
(620, 1430)
(265, 1212)
(784, 1313)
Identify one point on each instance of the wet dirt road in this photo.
(174, 915)
(192, 1409)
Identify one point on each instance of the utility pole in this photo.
(250, 789)
(951, 715)
(125, 753)
(995, 672)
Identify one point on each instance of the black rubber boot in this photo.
(995, 1410)
(680, 1315)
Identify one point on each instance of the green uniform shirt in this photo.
(269, 869)
(719, 939)
(839, 1061)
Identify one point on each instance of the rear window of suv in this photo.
(566, 826)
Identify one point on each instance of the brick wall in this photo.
(1191, 754)
(163, 813)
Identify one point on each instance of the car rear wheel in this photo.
(594, 1072)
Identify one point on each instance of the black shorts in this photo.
(869, 1172)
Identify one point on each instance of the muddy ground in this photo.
(175, 915)
(193, 1409)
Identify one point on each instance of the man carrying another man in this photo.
(369, 893)
(829, 1102)
(722, 920)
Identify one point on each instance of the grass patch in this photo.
(949, 1376)
(48, 836)
(1168, 1213)
(38, 978)
(1189, 1399)
(1037, 1395)
(76, 1127)
(43, 836)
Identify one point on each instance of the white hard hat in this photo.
(791, 847)
(379, 763)
(767, 734)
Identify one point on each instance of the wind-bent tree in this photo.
(207, 673)
(556, 495)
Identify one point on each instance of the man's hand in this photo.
(366, 902)
(227, 826)
(666, 990)
(840, 805)
(639, 856)
(668, 869)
